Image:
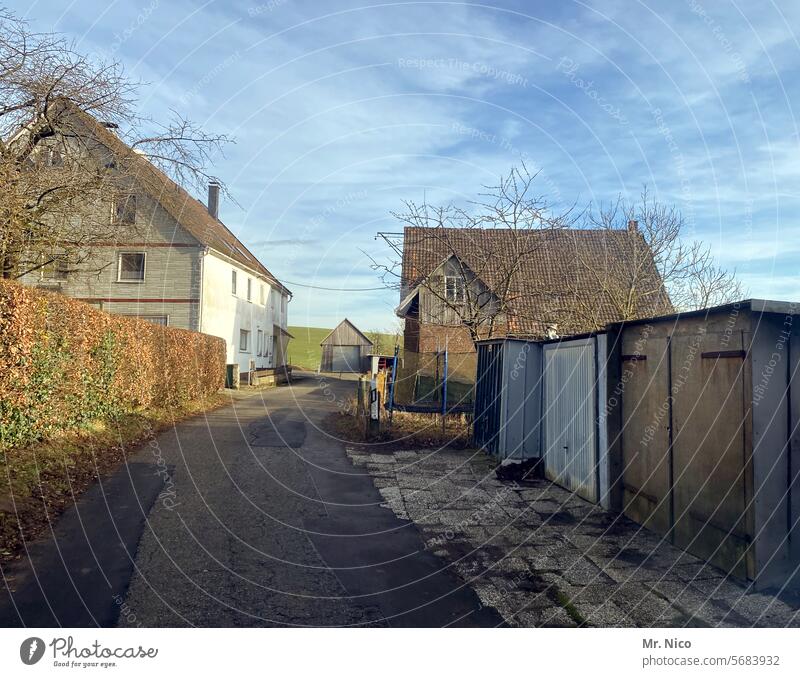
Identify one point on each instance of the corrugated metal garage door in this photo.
(569, 416)
(346, 358)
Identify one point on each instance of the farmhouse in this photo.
(168, 258)
(463, 285)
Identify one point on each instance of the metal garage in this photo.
(704, 412)
(542, 399)
(345, 349)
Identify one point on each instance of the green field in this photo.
(305, 351)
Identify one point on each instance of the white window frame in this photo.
(458, 285)
(234, 282)
(119, 267)
(249, 289)
(259, 343)
(244, 334)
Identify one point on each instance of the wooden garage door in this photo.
(346, 358)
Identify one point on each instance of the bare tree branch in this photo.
(57, 196)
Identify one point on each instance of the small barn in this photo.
(345, 349)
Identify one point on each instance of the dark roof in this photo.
(558, 276)
(189, 212)
(346, 334)
(758, 306)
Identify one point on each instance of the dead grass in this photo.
(407, 431)
(39, 482)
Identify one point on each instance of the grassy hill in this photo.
(304, 348)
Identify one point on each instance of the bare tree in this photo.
(480, 294)
(661, 269)
(383, 342)
(56, 176)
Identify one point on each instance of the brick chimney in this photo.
(213, 199)
(633, 226)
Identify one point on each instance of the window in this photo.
(454, 289)
(249, 289)
(244, 340)
(233, 282)
(124, 210)
(54, 158)
(130, 267)
(55, 270)
(260, 343)
(263, 297)
(156, 319)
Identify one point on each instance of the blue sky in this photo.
(341, 110)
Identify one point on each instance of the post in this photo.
(373, 410)
(444, 391)
(391, 383)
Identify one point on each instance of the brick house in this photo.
(531, 284)
(170, 260)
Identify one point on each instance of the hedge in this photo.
(64, 363)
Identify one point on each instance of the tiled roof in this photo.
(189, 212)
(572, 278)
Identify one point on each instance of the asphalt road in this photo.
(256, 517)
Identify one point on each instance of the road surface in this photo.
(251, 515)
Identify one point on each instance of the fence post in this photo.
(373, 410)
(391, 383)
(444, 392)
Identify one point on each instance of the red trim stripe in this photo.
(147, 244)
(109, 299)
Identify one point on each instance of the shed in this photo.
(703, 416)
(508, 389)
(545, 399)
(345, 349)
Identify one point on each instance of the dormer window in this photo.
(454, 289)
(124, 210)
(54, 158)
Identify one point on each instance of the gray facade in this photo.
(172, 271)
